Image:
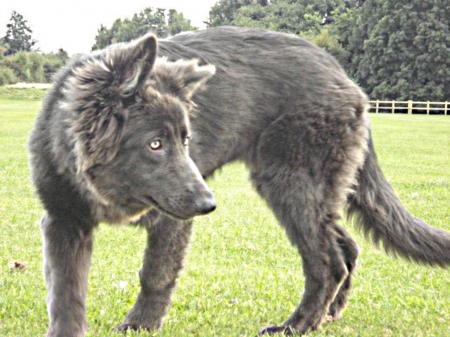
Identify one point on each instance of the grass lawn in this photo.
(241, 274)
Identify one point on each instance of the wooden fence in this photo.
(409, 106)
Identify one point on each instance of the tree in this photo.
(161, 22)
(292, 16)
(62, 55)
(177, 23)
(223, 12)
(400, 49)
(3, 48)
(18, 35)
(312, 19)
(328, 40)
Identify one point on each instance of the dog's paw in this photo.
(272, 330)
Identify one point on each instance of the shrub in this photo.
(7, 76)
(32, 66)
(21, 65)
(36, 64)
(51, 65)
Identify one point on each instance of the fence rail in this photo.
(410, 106)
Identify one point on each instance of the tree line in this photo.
(393, 49)
(20, 61)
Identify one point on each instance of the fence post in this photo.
(445, 108)
(410, 107)
(428, 107)
(393, 106)
(377, 105)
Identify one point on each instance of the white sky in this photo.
(72, 25)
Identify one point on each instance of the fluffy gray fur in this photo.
(111, 144)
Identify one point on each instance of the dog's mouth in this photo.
(163, 210)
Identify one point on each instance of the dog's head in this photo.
(131, 129)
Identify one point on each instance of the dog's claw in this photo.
(131, 327)
(330, 318)
(271, 330)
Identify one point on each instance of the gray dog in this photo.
(127, 136)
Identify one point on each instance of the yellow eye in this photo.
(155, 145)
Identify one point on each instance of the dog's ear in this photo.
(195, 76)
(110, 74)
(133, 62)
(182, 78)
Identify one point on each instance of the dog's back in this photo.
(260, 75)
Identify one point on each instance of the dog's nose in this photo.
(206, 205)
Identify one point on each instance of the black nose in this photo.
(206, 205)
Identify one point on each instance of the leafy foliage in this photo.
(18, 62)
(292, 16)
(400, 50)
(161, 22)
(328, 40)
(393, 49)
(312, 19)
(18, 35)
(224, 11)
(30, 67)
(7, 76)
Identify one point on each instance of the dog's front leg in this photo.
(67, 257)
(163, 259)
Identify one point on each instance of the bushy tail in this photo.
(380, 215)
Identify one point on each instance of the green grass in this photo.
(241, 274)
(27, 94)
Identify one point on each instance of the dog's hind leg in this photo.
(304, 166)
(310, 229)
(167, 240)
(67, 258)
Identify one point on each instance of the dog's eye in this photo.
(155, 145)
